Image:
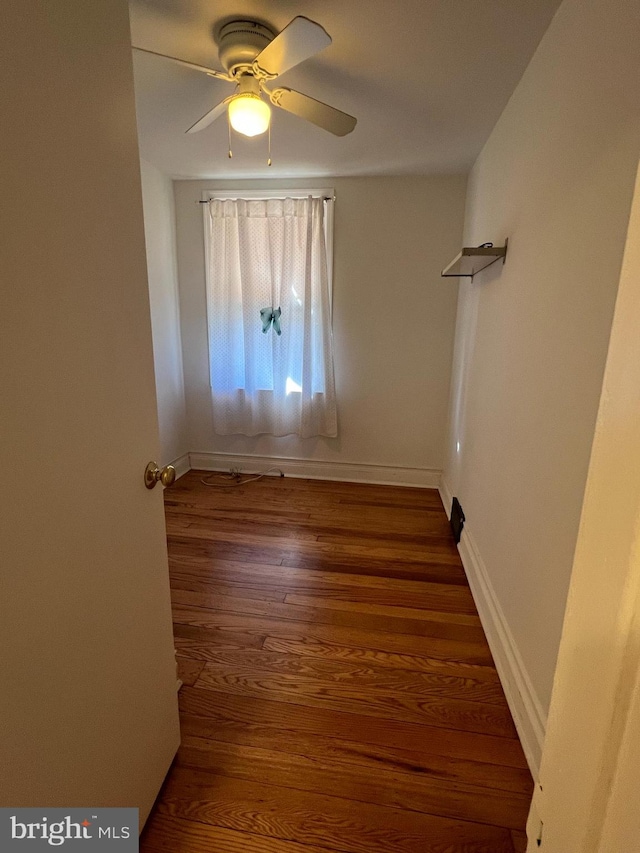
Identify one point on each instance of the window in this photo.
(269, 313)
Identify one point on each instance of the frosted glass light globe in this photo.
(249, 114)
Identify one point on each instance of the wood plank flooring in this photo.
(339, 694)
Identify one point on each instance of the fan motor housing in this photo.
(239, 42)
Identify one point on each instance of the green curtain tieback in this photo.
(269, 316)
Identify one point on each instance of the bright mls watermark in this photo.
(104, 830)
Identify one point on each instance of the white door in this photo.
(587, 799)
(88, 711)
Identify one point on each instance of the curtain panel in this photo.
(269, 318)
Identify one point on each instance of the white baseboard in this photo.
(528, 714)
(182, 465)
(350, 472)
(445, 496)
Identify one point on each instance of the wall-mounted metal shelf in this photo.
(472, 259)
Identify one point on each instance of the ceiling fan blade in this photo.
(322, 115)
(210, 117)
(210, 71)
(299, 40)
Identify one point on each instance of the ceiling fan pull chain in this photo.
(229, 126)
(269, 152)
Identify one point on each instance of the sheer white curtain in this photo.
(263, 256)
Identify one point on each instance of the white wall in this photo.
(159, 228)
(393, 321)
(556, 177)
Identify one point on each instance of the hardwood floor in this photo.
(339, 694)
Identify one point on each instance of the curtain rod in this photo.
(213, 198)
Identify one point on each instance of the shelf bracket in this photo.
(473, 259)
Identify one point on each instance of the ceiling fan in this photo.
(253, 56)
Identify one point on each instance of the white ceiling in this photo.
(426, 79)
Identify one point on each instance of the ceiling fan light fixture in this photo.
(249, 114)
(253, 55)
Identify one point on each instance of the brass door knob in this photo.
(153, 474)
